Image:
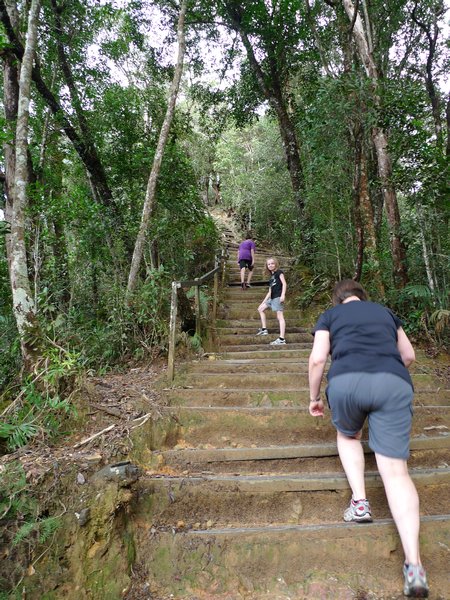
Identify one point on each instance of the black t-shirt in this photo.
(363, 337)
(275, 284)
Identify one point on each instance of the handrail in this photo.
(197, 282)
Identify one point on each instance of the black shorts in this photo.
(246, 264)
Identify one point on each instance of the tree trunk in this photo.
(425, 253)
(23, 305)
(164, 133)
(380, 141)
(274, 95)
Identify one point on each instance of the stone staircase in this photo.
(248, 495)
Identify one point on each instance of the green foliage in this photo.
(34, 413)
(426, 311)
(256, 184)
(25, 522)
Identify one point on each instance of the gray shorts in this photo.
(275, 304)
(384, 398)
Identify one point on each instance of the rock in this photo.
(123, 473)
(83, 516)
(81, 478)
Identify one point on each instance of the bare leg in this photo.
(352, 458)
(249, 276)
(282, 323)
(261, 308)
(403, 501)
(242, 275)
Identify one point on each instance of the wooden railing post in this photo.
(224, 255)
(172, 330)
(216, 290)
(197, 308)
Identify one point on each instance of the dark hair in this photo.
(346, 288)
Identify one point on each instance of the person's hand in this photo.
(316, 408)
(282, 299)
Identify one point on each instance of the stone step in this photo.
(265, 352)
(279, 365)
(250, 330)
(278, 484)
(232, 397)
(265, 346)
(426, 452)
(237, 339)
(260, 427)
(269, 379)
(250, 314)
(246, 298)
(222, 501)
(255, 323)
(262, 380)
(293, 561)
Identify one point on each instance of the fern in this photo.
(24, 532)
(47, 527)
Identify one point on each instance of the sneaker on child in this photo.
(278, 342)
(262, 331)
(358, 511)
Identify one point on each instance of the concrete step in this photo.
(293, 561)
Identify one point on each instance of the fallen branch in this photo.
(92, 437)
(145, 418)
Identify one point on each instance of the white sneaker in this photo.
(278, 342)
(262, 331)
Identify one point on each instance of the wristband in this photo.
(316, 400)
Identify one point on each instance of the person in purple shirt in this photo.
(246, 259)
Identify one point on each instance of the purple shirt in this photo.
(245, 249)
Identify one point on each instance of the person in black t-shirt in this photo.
(274, 299)
(369, 378)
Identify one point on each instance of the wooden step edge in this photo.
(271, 409)
(296, 483)
(286, 452)
(290, 391)
(347, 529)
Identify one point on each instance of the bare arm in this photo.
(253, 256)
(284, 288)
(405, 348)
(317, 362)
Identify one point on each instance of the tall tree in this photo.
(380, 141)
(23, 303)
(163, 136)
